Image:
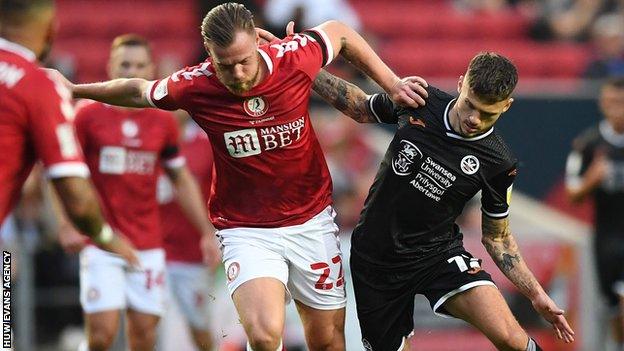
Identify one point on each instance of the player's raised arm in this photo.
(348, 43)
(127, 92)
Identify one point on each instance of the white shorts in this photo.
(305, 257)
(191, 285)
(108, 283)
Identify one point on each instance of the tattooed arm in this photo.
(349, 44)
(502, 247)
(344, 96)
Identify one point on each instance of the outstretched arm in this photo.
(348, 43)
(501, 245)
(119, 92)
(344, 96)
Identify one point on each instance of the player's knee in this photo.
(328, 340)
(512, 340)
(100, 340)
(203, 339)
(264, 340)
(143, 341)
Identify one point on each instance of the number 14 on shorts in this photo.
(321, 283)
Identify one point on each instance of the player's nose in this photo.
(238, 72)
(474, 119)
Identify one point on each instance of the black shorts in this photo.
(609, 253)
(385, 298)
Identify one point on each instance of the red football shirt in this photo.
(35, 123)
(270, 170)
(181, 237)
(124, 149)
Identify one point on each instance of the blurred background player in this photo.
(124, 149)
(189, 281)
(595, 169)
(36, 123)
(272, 202)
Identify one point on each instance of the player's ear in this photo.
(460, 83)
(508, 104)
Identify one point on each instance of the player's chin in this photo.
(238, 89)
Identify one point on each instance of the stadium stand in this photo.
(88, 27)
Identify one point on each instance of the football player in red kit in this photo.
(36, 124)
(124, 149)
(272, 190)
(189, 282)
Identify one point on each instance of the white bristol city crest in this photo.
(469, 164)
(129, 129)
(256, 106)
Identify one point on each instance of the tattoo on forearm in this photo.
(344, 96)
(507, 261)
(502, 247)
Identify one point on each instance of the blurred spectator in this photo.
(308, 13)
(595, 168)
(566, 19)
(608, 41)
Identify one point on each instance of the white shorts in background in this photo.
(191, 285)
(305, 257)
(108, 283)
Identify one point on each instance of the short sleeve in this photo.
(170, 153)
(382, 108)
(306, 51)
(171, 93)
(577, 163)
(496, 193)
(51, 125)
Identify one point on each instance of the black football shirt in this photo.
(609, 195)
(427, 176)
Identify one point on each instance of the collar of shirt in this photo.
(17, 49)
(610, 135)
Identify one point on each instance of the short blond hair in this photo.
(131, 39)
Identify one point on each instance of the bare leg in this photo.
(260, 305)
(324, 329)
(101, 329)
(485, 308)
(142, 330)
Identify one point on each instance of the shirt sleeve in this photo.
(170, 153)
(52, 130)
(171, 93)
(382, 108)
(577, 163)
(496, 193)
(306, 51)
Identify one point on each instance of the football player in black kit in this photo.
(407, 242)
(595, 168)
